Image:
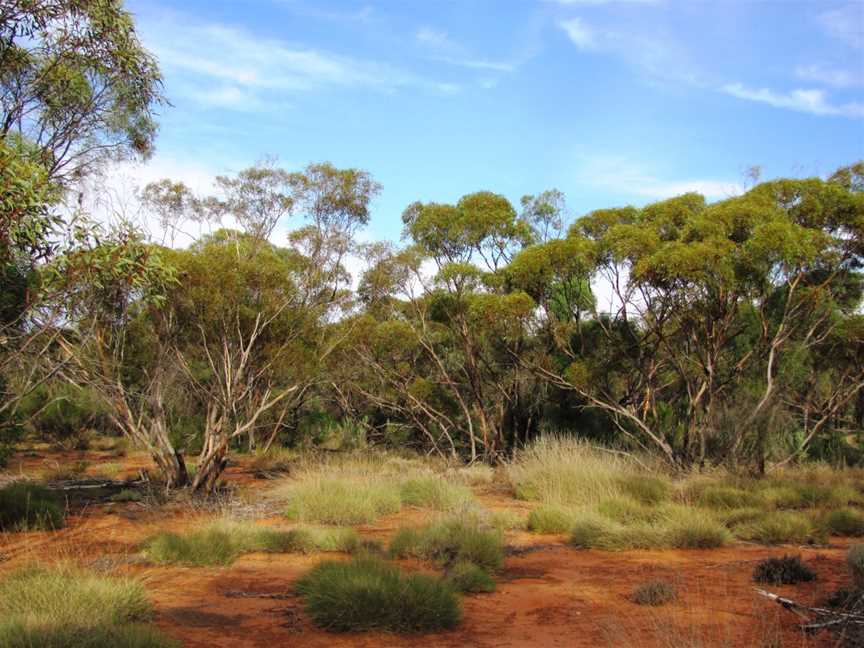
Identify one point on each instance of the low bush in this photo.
(26, 506)
(221, 543)
(550, 519)
(467, 577)
(435, 493)
(451, 541)
(626, 510)
(68, 608)
(654, 593)
(779, 527)
(342, 501)
(694, 529)
(787, 570)
(844, 522)
(589, 532)
(855, 562)
(369, 594)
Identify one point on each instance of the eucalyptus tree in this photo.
(706, 299)
(76, 84)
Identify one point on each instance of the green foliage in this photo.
(25, 506)
(221, 543)
(368, 594)
(844, 522)
(788, 570)
(647, 489)
(727, 497)
(467, 577)
(435, 493)
(550, 519)
(779, 527)
(461, 539)
(69, 608)
(654, 593)
(344, 502)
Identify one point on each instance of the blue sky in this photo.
(611, 102)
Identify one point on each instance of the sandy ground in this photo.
(548, 593)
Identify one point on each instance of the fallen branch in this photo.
(825, 617)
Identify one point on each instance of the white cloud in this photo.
(628, 178)
(222, 66)
(825, 75)
(845, 24)
(810, 101)
(583, 36)
(446, 50)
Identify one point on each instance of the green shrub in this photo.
(311, 539)
(735, 517)
(342, 502)
(727, 497)
(465, 576)
(782, 497)
(844, 522)
(787, 570)
(778, 528)
(646, 489)
(451, 541)
(26, 506)
(855, 562)
(654, 593)
(435, 493)
(67, 608)
(550, 519)
(126, 495)
(589, 532)
(369, 594)
(825, 495)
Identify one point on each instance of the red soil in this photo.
(548, 594)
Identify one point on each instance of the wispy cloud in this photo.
(810, 101)
(231, 68)
(831, 76)
(583, 36)
(656, 57)
(445, 50)
(634, 179)
(845, 24)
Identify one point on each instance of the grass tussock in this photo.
(459, 539)
(342, 502)
(654, 593)
(844, 522)
(551, 519)
(779, 527)
(25, 506)
(69, 608)
(469, 578)
(435, 493)
(222, 542)
(786, 570)
(370, 594)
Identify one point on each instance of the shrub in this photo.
(855, 562)
(66, 608)
(465, 576)
(342, 501)
(26, 506)
(816, 495)
(844, 522)
(451, 541)
(550, 519)
(787, 570)
(369, 594)
(590, 532)
(126, 495)
(735, 517)
(654, 593)
(222, 542)
(646, 489)
(778, 528)
(782, 497)
(435, 493)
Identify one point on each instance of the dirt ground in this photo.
(548, 593)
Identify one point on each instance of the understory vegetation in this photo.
(370, 594)
(26, 506)
(64, 607)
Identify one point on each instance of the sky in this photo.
(611, 102)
